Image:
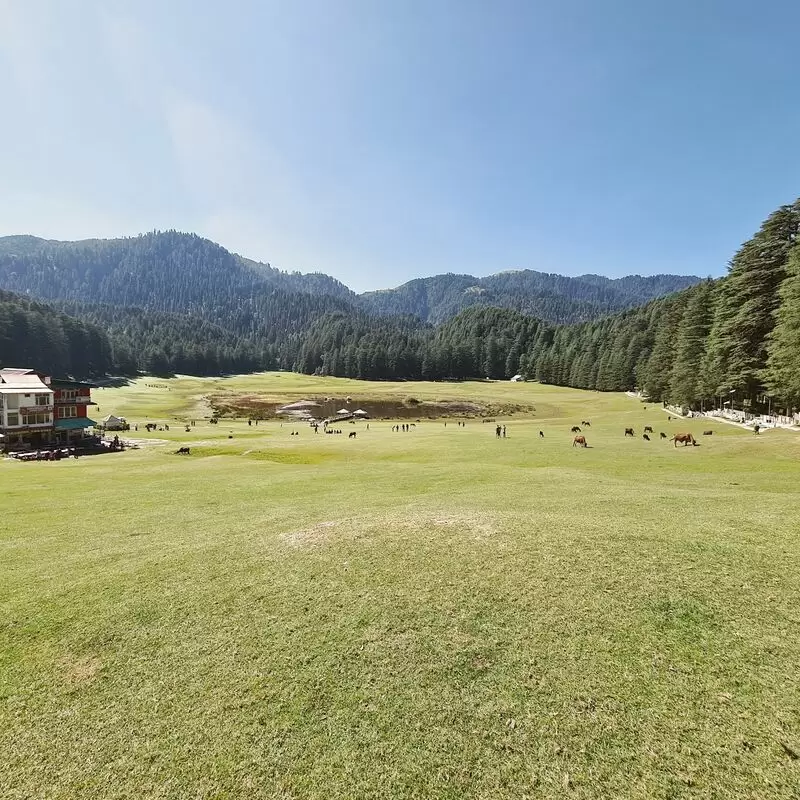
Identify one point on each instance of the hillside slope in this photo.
(552, 298)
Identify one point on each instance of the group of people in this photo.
(405, 427)
(499, 431)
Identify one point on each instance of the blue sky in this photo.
(384, 140)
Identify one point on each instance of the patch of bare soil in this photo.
(80, 672)
(316, 534)
(477, 525)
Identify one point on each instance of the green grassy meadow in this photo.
(432, 614)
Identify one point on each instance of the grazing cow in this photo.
(685, 438)
(648, 429)
(575, 429)
(629, 432)
(708, 433)
(182, 451)
(541, 434)
(645, 437)
(586, 423)
(579, 441)
(663, 435)
(352, 434)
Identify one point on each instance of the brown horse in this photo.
(579, 441)
(686, 438)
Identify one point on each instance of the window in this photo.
(42, 399)
(68, 394)
(12, 401)
(36, 419)
(13, 418)
(64, 412)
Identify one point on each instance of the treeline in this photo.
(164, 344)
(736, 339)
(480, 342)
(36, 336)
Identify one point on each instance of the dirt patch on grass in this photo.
(80, 671)
(445, 524)
(479, 526)
(252, 405)
(308, 537)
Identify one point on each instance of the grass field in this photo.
(432, 614)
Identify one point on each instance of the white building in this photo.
(26, 406)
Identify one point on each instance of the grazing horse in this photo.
(645, 437)
(352, 434)
(575, 429)
(708, 433)
(541, 434)
(685, 438)
(579, 441)
(663, 435)
(629, 432)
(182, 451)
(648, 429)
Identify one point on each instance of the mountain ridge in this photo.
(434, 299)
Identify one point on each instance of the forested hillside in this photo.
(162, 344)
(479, 342)
(168, 272)
(736, 339)
(551, 298)
(172, 302)
(37, 336)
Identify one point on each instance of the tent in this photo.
(517, 379)
(112, 423)
(343, 411)
(359, 412)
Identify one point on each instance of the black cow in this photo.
(541, 434)
(629, 432)
(648, 429)
(575, 429)
(182, 451)
(645, 437)
(708, 433)
(352, 434)
(663, 435)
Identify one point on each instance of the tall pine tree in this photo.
(782, 375)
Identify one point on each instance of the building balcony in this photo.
(36, 409)
(74, 401)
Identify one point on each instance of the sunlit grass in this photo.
(436, 613)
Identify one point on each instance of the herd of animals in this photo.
(579, 439)
(678, 438)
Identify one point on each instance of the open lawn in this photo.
(431, 614)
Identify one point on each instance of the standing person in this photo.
(504, 431)
(497, 431)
